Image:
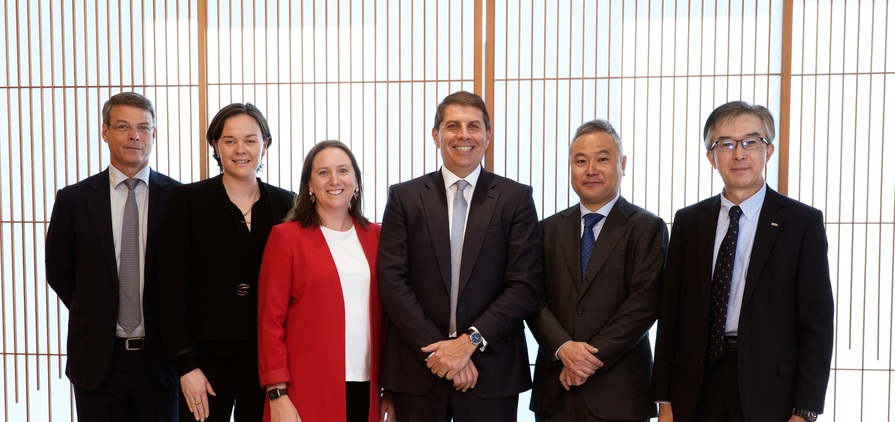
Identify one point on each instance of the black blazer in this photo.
(499, 279)
(83, 270)
(785, 333)
(210, 263)
(613, 309)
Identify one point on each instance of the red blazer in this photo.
(301, 321)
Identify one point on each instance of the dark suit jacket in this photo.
(499, 279)
(83, 270)
(209, 271)
(613, 309)
(785, 332)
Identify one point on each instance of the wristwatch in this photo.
(475, 337)
(275, 393)
(808, 415)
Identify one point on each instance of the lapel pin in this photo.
(774, 224)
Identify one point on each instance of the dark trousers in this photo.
(130, 392)
(570, 407)
(357, 401)
(719, 400)
(237, 387)
(443, 404)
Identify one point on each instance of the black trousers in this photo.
(719, 400)
(130, 392)
(570, 407)
(238, 389)
(443, 404)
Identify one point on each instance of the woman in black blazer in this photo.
(213, 238)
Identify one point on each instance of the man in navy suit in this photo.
(603, 260)
(459, 269)
(745, 334)
(118, 373)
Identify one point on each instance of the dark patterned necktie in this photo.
(129, 265)
(721, 285)
(588, 241)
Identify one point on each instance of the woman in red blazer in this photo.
(319, 319)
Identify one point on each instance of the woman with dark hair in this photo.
(319, 321)
(212, 241)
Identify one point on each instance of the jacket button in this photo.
(579, 310)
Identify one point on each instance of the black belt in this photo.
(131, 343)
(730, 344)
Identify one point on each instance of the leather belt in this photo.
(131, 343)
(730, 344)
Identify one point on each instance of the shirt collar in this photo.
(751, 206)
(116, 176)
(451, 178)
(605, 209)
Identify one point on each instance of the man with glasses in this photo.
(746, 317)
(99, 259)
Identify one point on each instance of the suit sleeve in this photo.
(174, 280)
(815, 317)
(522, 277)
(669, 313)
(61, 250)
(546, 328)
(639, 311)
(395, 292)
(274, 293)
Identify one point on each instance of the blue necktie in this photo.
(458, 221)
(129, 265)
(721, 285)
(588, 241)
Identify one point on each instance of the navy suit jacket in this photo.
(83, 270)
(499, 278)
(785, 332)
(612, 309)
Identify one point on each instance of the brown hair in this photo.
(462, 98)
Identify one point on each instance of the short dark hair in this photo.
(598, 126)
(216, 127)
(733, 109)
(304, 211)
(462, 98)
(128, 99)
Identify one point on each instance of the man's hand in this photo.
(196, 389)
(580, 358)
(466, 378)
(665, 413)
(447, 357)
(569, 379)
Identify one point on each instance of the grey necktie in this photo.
(458, 221)
(129, 266)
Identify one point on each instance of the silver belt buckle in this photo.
(138, 343)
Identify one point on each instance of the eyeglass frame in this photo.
(740, 142)
(126, 128)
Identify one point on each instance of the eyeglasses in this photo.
(728, 145)
(126, 128)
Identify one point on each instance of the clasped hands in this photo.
(579, 360)
(450, 359)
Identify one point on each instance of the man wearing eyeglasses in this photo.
(746, 316)
(99, 259)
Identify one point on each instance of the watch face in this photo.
(275, 393)
(475, 338)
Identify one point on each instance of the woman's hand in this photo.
(196, 389)
(387, 407)
(282, 410)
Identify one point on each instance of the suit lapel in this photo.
(613, 229)
(434, 202)
(99, 207)
(157, 196)
(569, 232)
(481, 211)
(765, 236)
(705, 248)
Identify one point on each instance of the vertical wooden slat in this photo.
(785, 100)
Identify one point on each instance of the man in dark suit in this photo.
(463, 358)
(746, 319)
(603, 261)
(114, 358)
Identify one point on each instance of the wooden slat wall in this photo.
(370, 73)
